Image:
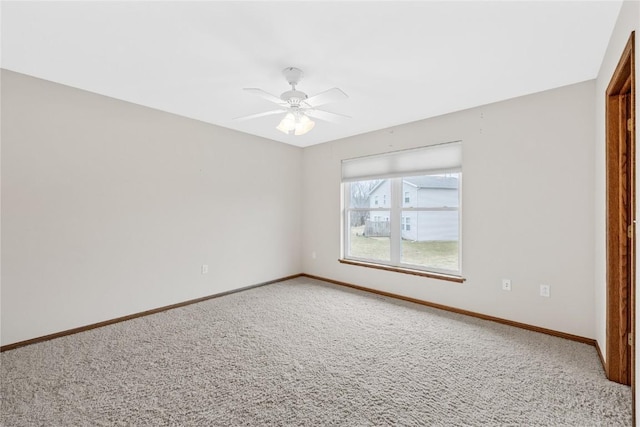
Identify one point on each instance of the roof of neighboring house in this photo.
(433, 181)
(429, 181)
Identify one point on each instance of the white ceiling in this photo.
(398, 61)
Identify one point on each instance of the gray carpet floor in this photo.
(308, 353)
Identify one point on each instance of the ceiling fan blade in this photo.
(326, 115)
(265, 95)
(255, 116)
(331, 95)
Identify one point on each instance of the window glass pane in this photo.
(430, 239)
(369, 235)
(364, 194)
(431, 191)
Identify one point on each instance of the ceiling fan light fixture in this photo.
(299, 125)
(287, 124)
(304, 125)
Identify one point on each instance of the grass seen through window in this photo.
(436, 254)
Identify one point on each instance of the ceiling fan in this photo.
(297, 106)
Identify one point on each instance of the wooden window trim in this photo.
(430, 274)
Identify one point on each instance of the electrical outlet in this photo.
(545, 291)
(506, 284)
(205, 269)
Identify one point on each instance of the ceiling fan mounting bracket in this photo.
(293, 75)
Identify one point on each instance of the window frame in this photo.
(397, 197)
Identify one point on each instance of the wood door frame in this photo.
(621, 205)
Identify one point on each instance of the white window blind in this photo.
(432, 159)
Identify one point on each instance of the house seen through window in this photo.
(419, 229)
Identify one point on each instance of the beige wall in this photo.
(628, 21)
(527, 208)
(110, 208)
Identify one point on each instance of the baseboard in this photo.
(526, 326)
(604, 363)
(336, 282)
(136, 315)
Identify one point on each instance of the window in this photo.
(406, 223)
(424, 235)
(376, 200)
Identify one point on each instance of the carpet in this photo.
(308, 353)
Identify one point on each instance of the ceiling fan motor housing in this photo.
(293, 97)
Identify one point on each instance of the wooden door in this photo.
(621, 214)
